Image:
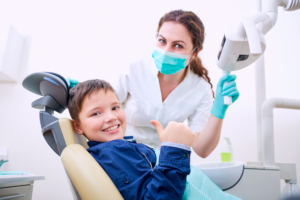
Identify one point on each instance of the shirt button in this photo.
(126, 181)
(186, 156)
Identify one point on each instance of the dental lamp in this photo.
(244, 43)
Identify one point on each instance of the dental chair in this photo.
(88, 179)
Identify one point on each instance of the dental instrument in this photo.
(2, 161)
(10, 172)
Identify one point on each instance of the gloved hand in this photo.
(219, 108)
(71, 82)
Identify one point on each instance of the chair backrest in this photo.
(87, 176)
(69, 134)
(88, 179)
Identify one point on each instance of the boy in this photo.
(97, 114)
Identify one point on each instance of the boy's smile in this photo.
(102, 118)
(112, 129)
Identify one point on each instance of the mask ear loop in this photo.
(191, 59)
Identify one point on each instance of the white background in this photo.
(97, 39)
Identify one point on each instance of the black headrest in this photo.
(50, 85)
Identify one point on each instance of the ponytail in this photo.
(199, 69)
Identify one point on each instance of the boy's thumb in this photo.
(158, 126)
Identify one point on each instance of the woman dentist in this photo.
(173, 85)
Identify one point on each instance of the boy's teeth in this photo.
(111, 128)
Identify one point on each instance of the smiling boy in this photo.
(97, 114)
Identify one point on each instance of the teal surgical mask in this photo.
(168, 62)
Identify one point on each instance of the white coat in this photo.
(139, 92)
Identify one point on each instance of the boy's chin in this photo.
(117, 137)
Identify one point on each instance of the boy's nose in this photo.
(110, 117)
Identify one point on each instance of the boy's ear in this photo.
(77, 127)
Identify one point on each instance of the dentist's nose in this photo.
(168, 48)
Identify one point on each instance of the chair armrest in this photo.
(88, 177)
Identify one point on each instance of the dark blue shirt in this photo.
(131, 165)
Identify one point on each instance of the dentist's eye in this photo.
(178, 46)
(96, 113)
(115, 108)
(162, 41)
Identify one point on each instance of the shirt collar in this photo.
(127, 138)
(93, 143)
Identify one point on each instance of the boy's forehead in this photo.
(100, 96)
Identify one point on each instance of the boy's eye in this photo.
(115, 108)
(95, 114)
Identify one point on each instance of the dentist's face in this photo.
(102, 118)
(174, 37)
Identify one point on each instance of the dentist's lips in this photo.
(112, 131)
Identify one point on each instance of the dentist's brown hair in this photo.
(196, 28)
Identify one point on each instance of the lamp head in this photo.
(242, 44)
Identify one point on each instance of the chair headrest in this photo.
(53, 87)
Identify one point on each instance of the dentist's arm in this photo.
(207, 140)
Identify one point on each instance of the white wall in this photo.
(97, 39)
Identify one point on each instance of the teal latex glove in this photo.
(71, 82)
(219, 108)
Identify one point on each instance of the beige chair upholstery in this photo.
(88, 177)
(69, 134)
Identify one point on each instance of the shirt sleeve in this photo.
(122, 87)
(169, 177)
(199, 118)
(130, 170)
(180, 146)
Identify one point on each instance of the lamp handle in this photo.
(227, 99)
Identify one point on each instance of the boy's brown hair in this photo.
(80, 91)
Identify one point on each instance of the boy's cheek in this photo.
(122, 116)
(94, 122)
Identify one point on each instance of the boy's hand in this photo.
(175, 132)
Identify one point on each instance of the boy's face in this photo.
(101, 118)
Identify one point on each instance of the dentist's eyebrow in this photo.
(177, 41)
(162, 37)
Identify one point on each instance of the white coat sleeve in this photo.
(199, 118)
(122, 87)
